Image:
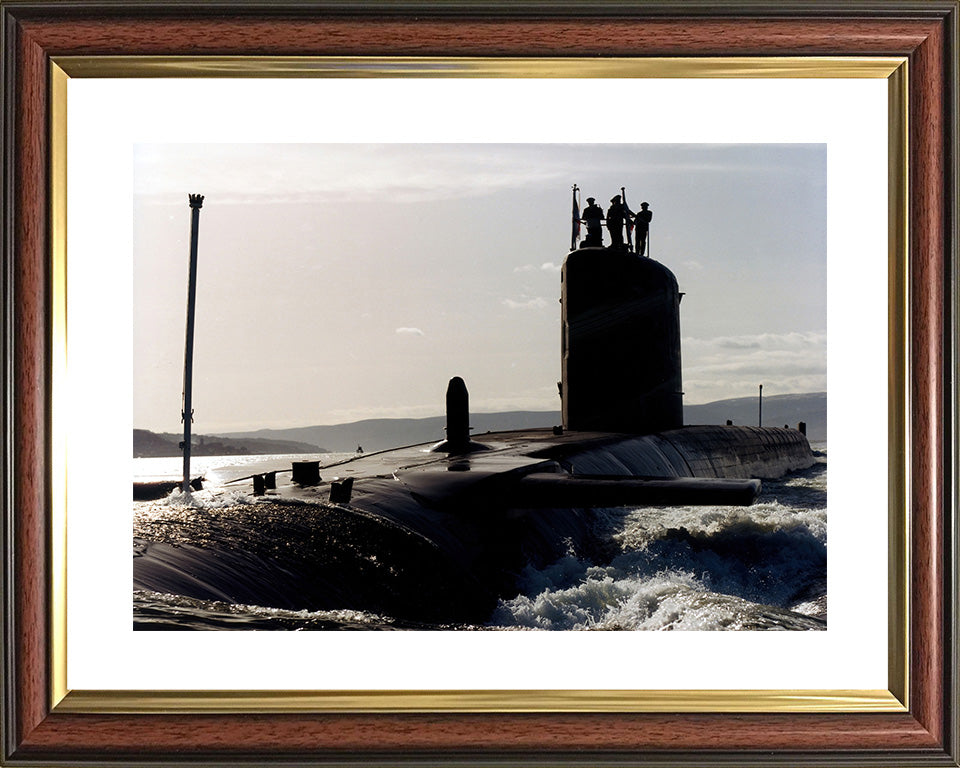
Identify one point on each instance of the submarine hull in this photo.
(435, 538)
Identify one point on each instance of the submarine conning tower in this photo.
(620, 343)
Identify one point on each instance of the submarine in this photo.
(439, 533)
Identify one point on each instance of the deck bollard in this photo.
(341, 491)
(306, 472)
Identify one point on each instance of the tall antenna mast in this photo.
(196, 203)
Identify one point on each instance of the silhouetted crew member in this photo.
(592, 216)
(615, 218)
(642, 223)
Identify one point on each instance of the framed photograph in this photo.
(383, 185)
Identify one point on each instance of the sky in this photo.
(339, 282)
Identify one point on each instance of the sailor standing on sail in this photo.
(592, 216)
(615, 218)
(642, 222)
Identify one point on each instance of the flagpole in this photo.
(575, 222)
(626, 218)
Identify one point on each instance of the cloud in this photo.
(537, 302)
(702, 158)
(768, 341)
(737, 343)
(547, 266)
(733, 366)
(409, 332)
(338, 173)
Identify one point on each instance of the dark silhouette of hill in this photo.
(777, 411)
(153, 444)
(383, 434)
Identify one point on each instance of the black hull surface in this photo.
(439, 538)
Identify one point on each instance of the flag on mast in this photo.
(627, 220)
(575, 234)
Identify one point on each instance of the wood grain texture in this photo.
(329, 734)
(929, 350)
(30, 389)
(863, 738)
(470, 37)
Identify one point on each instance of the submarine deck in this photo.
(721, 452)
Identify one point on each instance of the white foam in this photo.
(702, 568)
(669, 600)
(207, 499)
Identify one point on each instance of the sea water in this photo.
(670, 568)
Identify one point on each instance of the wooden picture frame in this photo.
(39, 729)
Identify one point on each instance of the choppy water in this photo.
(674, 568)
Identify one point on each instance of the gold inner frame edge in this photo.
(513, 701)
(429, 66)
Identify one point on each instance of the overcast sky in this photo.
(338, 282)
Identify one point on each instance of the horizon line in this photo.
(441, 415)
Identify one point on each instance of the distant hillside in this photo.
(777, 411)
(153, 444)
(382, 434)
